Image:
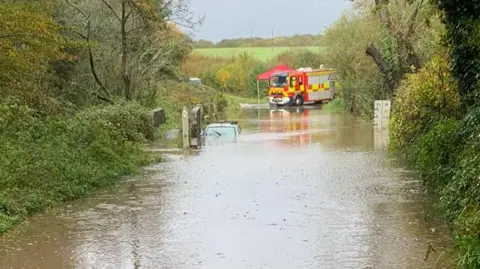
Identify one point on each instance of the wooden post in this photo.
(196, 126)
(258, 91)
(185, 128)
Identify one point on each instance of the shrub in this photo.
(422, 99)
(435, 152)
(49, 161)
(425, 125)
(463, 190)
(235, 75)
(461, 197)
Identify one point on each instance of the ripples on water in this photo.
(302, 189)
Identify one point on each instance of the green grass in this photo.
(260, 53)
(244, 100)
(233, 103)
(337, 105)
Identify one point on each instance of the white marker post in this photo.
(381, 113)
(380, 123)
(185, 128)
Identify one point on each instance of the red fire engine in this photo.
(302, 86)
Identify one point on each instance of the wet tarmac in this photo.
(299, 189)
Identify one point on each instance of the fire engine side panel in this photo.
(313, 93)
(318, 88)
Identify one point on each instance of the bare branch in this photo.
(373, 52)
(77, 9)
(111, 9)
(97, 95)
(90, 52)
(179, 13)
(125, 51)
(383, 13)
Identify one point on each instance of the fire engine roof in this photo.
(278, 68)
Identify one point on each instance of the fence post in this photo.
(185, 128)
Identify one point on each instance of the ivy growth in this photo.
(462, 21)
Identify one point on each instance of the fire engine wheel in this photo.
(299, 100)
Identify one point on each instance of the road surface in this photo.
(299, 189)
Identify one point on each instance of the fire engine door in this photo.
(294, 84)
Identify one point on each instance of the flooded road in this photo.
(299, 189)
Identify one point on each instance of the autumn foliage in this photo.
(422, 98)
(66, 68)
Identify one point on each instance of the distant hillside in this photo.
(259, 53)
(290, 41)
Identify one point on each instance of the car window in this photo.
(220, 131)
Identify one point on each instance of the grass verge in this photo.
(337, 105)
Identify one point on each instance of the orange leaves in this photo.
(28, 40)
(223, 76)
(145, 8)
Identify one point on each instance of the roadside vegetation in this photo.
(77, 80)
(237, 75)
(422, 55)
(425, 57)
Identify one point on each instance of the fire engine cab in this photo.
(302, 86)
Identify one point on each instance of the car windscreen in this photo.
(220, 131)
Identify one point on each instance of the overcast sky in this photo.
(232, 19)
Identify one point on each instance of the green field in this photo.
(261, 53)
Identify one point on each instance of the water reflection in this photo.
(300, 189)
(292, 122)
(381, 138)
(305, 126)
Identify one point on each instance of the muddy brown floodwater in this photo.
(299, 189)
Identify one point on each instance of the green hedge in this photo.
(45, 162)
(443, 145)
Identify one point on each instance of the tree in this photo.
(29, 42)
(132, 42)
(463, 36)
(396, 54)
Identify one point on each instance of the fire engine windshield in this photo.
(278, 81)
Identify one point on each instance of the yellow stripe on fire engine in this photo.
(315, 88)
(319, 73)
(275, 91)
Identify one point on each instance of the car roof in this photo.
(219, 124)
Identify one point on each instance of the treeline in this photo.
(77, 79)
(286, 41)
(237, 75)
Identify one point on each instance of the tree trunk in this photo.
(125, 75)
(386, 71)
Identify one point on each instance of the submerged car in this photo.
(222, 131)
